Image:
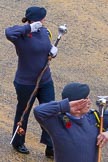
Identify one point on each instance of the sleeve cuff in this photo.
(64, 106)
(27, 28)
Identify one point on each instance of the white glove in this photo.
(35, 26)
(53, 51)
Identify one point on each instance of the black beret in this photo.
(35, 13)
(75, 91)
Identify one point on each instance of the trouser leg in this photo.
(46, 94)
(23, 94)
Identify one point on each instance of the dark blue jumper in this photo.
(76, 143)
(32, 50)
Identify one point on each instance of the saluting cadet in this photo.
(72, 126)
(33, 45)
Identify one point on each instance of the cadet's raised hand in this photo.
(35, 26)
(79, 107)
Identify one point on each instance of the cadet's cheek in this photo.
(85, 110)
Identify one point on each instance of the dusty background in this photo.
(83, 56)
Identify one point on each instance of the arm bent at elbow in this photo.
(15, 32)
(48, 110)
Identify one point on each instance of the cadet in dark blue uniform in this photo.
(73, 130)
(32, 44)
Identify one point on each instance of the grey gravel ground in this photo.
(83, 56)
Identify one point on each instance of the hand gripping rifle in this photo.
(102, 103)
(61, 31)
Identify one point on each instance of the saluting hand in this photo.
(35, 26)
(80, 107)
